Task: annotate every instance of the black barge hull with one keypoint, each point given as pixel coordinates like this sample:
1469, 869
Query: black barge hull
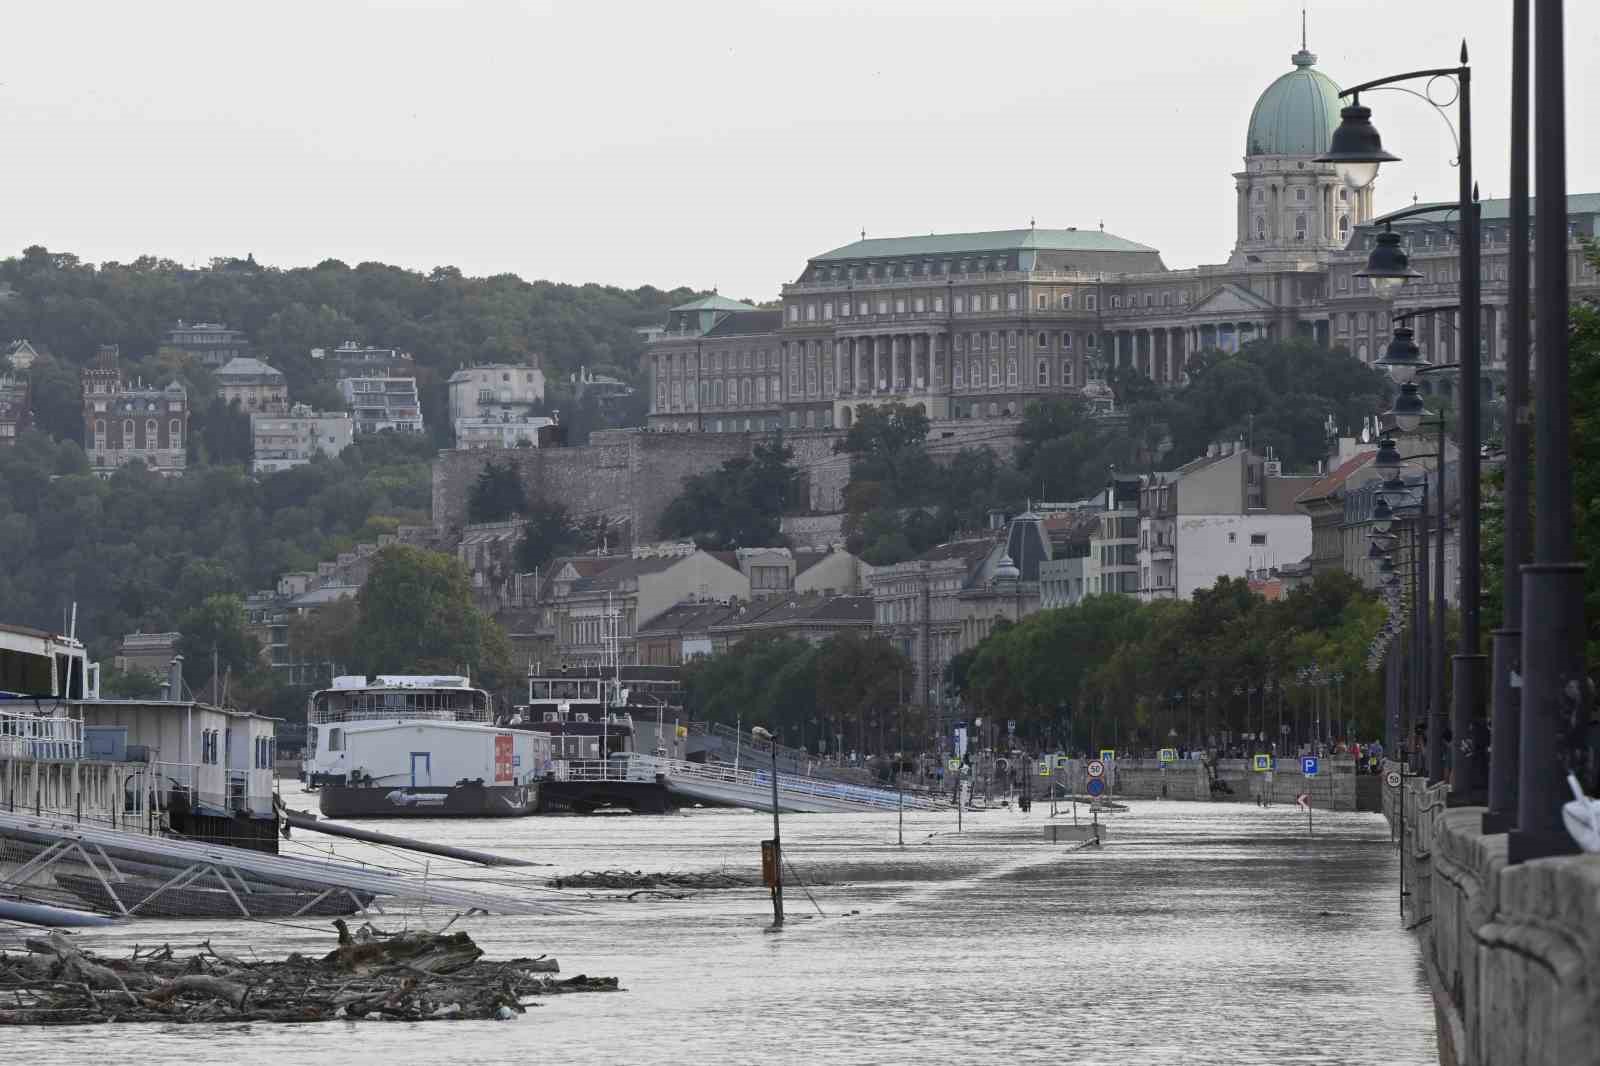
438, 801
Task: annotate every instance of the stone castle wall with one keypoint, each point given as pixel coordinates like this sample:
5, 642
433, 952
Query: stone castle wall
630, 476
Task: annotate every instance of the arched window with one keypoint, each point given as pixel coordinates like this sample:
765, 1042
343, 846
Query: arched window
127, 433
1261, 228
1011, 371
1344, 224
100, 427
150, 433
994, 372
1300, 227
1044, 372
1067, 376
1044, 340
1066, 342
976, 379
961, 375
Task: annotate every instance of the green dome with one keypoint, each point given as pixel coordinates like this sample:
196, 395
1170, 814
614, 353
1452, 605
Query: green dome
1297, 114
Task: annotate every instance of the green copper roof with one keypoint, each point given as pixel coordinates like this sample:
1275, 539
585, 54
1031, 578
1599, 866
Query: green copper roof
713, 303
1578, 203
1297, 114
1058, 240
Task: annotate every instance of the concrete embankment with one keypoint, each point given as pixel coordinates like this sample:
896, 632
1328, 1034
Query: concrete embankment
1512, 952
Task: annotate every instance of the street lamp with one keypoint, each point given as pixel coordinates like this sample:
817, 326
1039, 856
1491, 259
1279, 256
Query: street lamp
777, 849
1356, 145
1402, 358
1388, 266
1356, 149
1408, 408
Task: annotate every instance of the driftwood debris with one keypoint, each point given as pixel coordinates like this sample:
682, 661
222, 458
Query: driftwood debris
370, 976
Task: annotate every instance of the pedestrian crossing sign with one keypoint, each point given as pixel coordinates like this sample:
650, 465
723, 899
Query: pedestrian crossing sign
1263, 763
1044, 767
1108, 755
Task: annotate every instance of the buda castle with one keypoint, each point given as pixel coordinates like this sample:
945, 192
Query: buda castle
975, 325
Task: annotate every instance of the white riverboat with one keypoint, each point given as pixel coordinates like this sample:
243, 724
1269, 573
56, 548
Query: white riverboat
419, 746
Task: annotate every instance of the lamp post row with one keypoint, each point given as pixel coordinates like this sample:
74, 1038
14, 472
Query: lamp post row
1541, 633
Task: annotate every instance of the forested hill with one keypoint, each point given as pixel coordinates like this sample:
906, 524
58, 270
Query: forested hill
442, 317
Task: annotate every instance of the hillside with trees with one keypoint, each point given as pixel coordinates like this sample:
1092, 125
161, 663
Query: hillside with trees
68, 307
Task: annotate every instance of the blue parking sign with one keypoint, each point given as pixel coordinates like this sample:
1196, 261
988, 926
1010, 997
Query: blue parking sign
1308, 765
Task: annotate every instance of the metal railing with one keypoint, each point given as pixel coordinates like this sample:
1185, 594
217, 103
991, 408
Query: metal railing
788, 784
31, 736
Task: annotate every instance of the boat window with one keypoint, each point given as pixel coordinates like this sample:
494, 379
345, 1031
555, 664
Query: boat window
565, 690
335, 740
311, 735
539, 690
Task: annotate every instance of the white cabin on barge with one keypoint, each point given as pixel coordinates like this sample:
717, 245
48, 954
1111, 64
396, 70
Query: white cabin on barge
418, 746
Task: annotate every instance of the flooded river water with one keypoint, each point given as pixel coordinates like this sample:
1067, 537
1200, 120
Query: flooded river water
1199, 933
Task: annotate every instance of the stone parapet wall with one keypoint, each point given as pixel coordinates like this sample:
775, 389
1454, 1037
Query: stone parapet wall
1512, 953
631, 475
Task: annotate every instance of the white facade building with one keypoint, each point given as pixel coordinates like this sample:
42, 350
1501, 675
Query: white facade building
494, 390
383, 404
1229, 513
288, 440
500, 431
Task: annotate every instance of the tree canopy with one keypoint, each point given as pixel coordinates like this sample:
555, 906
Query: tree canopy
739, 505
1112, 672
415, 614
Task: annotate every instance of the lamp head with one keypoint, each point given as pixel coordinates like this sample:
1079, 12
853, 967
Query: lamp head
1382, 516
1388, 266
1408, 408
1402, 358
1356, 150
1388, 460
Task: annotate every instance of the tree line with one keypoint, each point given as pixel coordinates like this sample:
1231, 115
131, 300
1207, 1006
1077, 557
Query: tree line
1113, 672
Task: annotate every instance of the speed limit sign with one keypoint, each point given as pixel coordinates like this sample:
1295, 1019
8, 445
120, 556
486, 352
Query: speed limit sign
1392, 779
1097, 768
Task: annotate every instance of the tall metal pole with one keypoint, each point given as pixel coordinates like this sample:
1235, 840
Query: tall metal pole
777, 847
1468, 775
1426, 705
1436, 709
1554, 704
1506, 713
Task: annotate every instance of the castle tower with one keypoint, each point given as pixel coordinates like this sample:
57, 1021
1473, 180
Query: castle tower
1290, 207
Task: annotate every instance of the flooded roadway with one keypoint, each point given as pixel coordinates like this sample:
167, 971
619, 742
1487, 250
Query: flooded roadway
1199, 933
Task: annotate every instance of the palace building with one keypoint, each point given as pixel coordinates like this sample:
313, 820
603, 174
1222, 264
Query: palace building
975, 325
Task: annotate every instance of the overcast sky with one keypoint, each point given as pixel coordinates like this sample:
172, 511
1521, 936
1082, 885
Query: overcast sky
701, 144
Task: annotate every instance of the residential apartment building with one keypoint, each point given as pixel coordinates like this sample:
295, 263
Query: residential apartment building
147, 653
598, 614
212, 343
383, 404
254, 385
126, 422
16, 414
494, 391
352, 360
948, 599
975, 325
20, 354
778, 572
505, 431
1228, 513
289, 439
691, 630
